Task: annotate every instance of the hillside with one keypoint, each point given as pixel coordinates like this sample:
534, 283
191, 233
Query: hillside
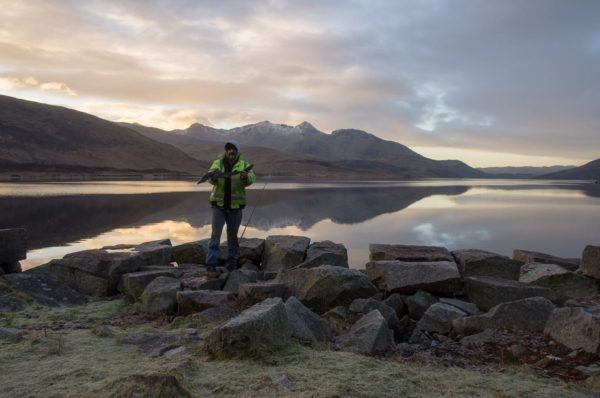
36, 137
522, 171
589, 171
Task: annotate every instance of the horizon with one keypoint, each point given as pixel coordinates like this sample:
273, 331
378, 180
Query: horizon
492, 84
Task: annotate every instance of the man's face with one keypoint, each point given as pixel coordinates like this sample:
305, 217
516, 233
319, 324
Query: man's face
231, 152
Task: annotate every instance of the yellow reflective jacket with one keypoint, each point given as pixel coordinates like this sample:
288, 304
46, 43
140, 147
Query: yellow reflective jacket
238, 191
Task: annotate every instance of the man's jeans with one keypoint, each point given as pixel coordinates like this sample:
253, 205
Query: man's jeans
233, 219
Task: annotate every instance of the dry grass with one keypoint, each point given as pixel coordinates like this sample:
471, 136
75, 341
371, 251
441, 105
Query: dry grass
56, 362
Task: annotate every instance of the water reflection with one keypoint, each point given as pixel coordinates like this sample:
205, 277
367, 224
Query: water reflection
557, 218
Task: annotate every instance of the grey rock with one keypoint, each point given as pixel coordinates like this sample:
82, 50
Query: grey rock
190, 253
11, 268
160, 295
191, 301
396, 301
408, 253
43, 289
251, 249
439, 277
591, 301
201, 283
103, 331
368, 336
337, 318
10, 303
418, 303
13, 245
479, 339
576, 328
564, 283
325, 253
468, 308
148, 341
438, 318
305, 324
364, 306
487, 292
283, 252
474, 262
526, 257
260, 329
528, 314
280, 380
134, 283
590, 261
217, 314
327, 286
9, 334
238, 277
252, 293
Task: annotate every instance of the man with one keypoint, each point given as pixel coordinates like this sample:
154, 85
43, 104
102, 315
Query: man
227, 199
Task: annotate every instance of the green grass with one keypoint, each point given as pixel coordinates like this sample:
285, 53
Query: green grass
77, 363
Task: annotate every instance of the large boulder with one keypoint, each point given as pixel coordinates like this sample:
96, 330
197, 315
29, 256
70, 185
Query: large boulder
396, 301
238, 277
192, 301
439, 277
409, 253
95, 272
368, 336
160, 295
564, 283
418, 303
488, 292
325, 253
590, 261
190, 253
283, 252
13, 245
10, 268
528, 314
38, 285
576, 327
474, 262
438, 318
251, 249
259, 330
465, 306
252, 293
527, 256
364, 306
305, 324
134, 283
158, 252
327, 286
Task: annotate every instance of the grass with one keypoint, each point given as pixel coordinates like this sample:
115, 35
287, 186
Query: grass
62, 362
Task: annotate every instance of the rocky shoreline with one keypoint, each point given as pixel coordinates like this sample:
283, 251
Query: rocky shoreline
467, 308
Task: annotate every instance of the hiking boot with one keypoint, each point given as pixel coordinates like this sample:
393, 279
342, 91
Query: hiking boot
212, 273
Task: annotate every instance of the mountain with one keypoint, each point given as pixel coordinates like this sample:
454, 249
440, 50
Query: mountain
304, 151
42, 138
523, 171
589, 171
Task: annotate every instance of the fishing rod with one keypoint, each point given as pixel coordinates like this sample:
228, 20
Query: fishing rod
252, 212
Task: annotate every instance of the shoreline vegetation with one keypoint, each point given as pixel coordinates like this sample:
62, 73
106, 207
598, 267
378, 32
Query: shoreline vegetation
294, 320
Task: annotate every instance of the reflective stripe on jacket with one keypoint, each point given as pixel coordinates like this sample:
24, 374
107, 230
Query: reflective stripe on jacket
238, 192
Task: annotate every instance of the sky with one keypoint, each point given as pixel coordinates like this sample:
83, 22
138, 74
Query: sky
492, 83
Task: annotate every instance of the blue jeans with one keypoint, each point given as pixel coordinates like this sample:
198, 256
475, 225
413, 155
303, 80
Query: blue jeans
233, 219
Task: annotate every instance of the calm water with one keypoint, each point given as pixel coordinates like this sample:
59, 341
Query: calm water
498, 215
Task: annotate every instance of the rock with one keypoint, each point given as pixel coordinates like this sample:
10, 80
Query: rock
283, 252
13, 245
280, 380
43, 289
9, 303
134, 283
327, 286
11, 268
468, 308
592, 301
252, 293
336, 317
201, 283
160, 295
564, 283
368, 336
439, 277
158, 385
103, 331
528, 314
148, 341
251, 249
396, 301
590, 261
260, 329
479, 339
95, 272
487, 292
305, 324
576, 328
156, 252
526, 257
483, 263
325, 253
12, 335
438, 318
364, 306
217, 314
408, 253
418, 303
191, 301
190, 253
238, 277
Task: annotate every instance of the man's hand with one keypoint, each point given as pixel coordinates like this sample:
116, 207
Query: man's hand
244, 175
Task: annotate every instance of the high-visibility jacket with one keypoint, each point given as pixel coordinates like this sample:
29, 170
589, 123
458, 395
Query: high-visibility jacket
238, 192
